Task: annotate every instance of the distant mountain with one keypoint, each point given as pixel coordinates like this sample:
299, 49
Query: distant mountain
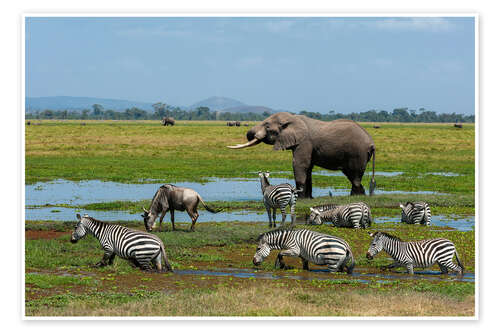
72, 103
249, 108
217, 103
79, 103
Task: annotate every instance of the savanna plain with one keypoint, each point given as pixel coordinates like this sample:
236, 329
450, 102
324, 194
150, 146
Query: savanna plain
213, 271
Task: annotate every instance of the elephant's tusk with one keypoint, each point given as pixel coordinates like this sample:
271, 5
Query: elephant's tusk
244, 145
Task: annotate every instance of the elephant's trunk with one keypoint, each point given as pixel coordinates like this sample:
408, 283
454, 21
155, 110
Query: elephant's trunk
254, 137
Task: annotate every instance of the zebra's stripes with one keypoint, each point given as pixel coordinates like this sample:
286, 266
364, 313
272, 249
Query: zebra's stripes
312, 246
416, 213
277, 196
140, 248
353, 215
423, 253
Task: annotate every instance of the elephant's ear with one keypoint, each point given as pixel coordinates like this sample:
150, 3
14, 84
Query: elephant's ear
293, 131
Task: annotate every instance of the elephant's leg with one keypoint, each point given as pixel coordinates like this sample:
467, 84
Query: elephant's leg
302, 169
309, 186
355, 179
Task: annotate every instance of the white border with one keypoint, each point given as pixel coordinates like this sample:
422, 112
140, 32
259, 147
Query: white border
255, 13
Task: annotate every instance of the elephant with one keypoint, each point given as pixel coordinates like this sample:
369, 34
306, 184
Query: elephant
335, 145
168, 121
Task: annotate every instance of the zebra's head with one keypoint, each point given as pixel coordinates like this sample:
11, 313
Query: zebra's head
262, 252
79, 231
149, 219
314, 217
375, 246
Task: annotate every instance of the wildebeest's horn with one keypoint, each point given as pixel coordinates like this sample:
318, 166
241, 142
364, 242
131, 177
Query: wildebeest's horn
244, 145
144, 209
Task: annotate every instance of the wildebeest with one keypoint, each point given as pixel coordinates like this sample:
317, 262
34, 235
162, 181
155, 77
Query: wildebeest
376, 126
233, 123
170, 198
458, 125
168, 121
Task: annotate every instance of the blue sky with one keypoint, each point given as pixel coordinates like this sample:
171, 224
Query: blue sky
315, 64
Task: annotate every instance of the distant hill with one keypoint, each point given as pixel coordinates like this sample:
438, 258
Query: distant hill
72, 103
217, 103
79, 103
249, 108
225, 104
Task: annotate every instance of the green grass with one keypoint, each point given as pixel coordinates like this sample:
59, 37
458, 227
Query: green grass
127, 151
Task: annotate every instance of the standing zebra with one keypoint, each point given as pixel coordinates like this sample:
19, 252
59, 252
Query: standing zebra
416, 212
353, 215
140, 248
308, 245
423, 253
277, 196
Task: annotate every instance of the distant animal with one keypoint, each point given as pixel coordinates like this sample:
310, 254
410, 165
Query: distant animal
458, 125
233, 123
418, 212
168, 121
138, 247
277, 196
376, 126
353, 215
334, 145
170, 198
28, 123
308, 245
83, 124
423, 253
245, 124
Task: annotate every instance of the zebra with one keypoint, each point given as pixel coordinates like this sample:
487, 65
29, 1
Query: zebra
353, 215
416, 212
423, 253
278, 196
308, 245
140, 248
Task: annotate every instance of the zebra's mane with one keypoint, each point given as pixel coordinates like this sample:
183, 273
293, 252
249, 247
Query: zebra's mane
389, 236
275, 231
94, 220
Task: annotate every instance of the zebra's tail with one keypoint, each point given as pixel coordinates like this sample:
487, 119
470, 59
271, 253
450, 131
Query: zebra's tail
459, 262
350, 268
211, 210
373, 183
164, 255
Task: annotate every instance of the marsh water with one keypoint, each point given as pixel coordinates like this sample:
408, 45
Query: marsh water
214, 189
95, 191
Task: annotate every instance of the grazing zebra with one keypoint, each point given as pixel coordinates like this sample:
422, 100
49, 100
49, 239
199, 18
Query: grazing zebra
416, 212
353, 215
308, 245
423, 253
277, 196
140, 248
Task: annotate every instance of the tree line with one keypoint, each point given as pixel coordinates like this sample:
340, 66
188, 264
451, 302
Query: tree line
204, 113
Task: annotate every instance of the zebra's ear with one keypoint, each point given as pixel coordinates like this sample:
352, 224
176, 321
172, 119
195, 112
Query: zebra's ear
371, 234
401, 205
78, 217
312, 209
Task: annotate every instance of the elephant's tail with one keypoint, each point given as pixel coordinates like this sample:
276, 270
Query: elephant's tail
373, 184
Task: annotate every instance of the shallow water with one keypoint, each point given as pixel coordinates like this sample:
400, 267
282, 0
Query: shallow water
312, 275
461, 223
96, 191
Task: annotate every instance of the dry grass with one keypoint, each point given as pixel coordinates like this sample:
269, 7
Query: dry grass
267, 300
